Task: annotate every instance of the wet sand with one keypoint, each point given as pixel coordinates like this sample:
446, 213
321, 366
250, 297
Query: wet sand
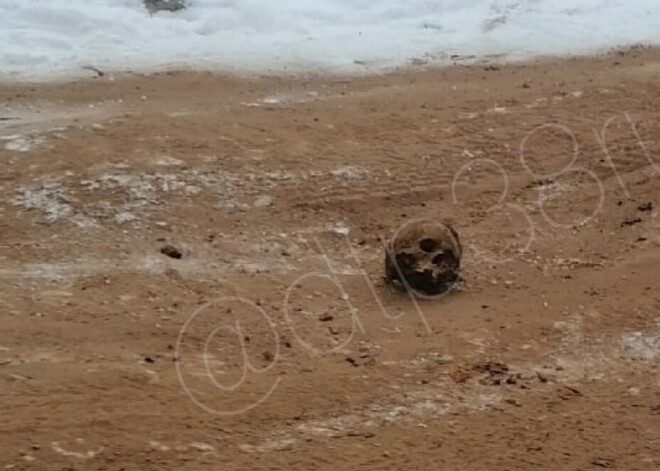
275, 194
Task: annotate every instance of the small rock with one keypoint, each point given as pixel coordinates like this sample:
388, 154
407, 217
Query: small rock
16, 377
631, 221
172, 252
327, 317
340, 228
245, 448
168, 161
203, 447
352, 361
263, 202
542, 378
601, 463
646, 207
568, 392
158, 446
164, 5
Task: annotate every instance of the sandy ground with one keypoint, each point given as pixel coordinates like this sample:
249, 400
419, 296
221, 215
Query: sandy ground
273, 342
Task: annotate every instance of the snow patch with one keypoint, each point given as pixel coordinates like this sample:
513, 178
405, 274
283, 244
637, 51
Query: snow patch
19, 143
48, 198
352, 172
54, 38
641, 346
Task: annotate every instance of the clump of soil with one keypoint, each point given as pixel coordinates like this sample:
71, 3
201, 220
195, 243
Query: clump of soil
171, 251
164, 5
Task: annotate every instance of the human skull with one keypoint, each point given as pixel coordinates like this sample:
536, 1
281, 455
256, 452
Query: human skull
425, 256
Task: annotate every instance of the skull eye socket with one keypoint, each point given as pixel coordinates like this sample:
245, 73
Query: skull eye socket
428, 245
405, 260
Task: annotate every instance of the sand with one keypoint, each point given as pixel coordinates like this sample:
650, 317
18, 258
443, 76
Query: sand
192, 270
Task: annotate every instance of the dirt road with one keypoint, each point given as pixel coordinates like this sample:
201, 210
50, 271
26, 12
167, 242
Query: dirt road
192, 270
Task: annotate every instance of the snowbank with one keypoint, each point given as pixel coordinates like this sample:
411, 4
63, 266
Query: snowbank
49, 38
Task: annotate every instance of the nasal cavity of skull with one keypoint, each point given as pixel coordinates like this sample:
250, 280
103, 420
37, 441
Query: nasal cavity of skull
438, 258
428, 245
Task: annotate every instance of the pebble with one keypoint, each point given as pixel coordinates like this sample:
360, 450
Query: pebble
263, 202
203, 447
172, 252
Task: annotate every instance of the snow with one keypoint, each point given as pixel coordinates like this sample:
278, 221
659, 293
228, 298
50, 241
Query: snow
51, 38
